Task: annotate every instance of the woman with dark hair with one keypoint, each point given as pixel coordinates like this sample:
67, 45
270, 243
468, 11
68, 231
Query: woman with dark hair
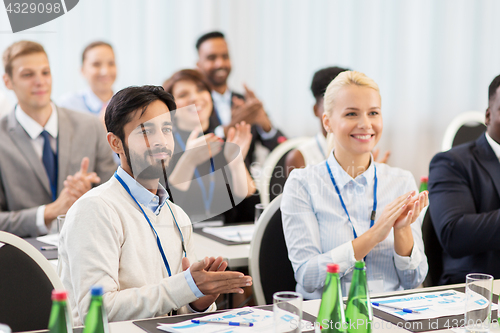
208, 176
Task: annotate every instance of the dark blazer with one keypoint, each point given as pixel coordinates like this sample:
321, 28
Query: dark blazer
464, 194
24, 184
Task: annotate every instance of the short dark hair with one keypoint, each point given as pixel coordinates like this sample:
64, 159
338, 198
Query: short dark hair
92, 45
207, 36
493, 88
126, 102
322, 79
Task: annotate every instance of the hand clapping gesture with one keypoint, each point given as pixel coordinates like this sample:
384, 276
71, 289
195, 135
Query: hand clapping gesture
241, 136
398, 215
249, 110
196, 154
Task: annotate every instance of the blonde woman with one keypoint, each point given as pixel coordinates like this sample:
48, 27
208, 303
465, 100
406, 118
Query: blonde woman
350, 208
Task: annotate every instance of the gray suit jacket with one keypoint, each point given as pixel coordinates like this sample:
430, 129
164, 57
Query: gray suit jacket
24, 184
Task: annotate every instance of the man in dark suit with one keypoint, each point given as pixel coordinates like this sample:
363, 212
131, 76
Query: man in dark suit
230, 107
50, 156
464, 194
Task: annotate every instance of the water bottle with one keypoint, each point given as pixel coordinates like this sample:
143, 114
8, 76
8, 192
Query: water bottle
331, 317
423, 183
359, 309
96, 320
59, 320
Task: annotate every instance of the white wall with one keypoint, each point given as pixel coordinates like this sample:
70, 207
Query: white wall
432, 59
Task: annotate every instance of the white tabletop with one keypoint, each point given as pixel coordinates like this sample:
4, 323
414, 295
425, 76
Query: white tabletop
235, 255
312, 307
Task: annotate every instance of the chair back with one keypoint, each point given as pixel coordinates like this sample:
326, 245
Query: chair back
26, 283
433, 251
273, 177
270, 268
466, 127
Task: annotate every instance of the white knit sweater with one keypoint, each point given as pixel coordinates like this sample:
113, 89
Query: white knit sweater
107, 241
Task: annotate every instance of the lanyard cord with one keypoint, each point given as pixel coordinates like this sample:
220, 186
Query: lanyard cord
372, 216
207, 196
88, 107
158, 242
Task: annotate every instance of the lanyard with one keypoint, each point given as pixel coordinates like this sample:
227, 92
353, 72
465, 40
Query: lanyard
207, 196
372, 217
158, 242
320, 148
88, 107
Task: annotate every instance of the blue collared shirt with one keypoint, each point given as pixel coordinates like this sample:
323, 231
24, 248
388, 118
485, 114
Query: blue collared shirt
82, 101
154, 203
318, 232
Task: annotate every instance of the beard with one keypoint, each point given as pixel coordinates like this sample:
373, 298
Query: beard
146, 167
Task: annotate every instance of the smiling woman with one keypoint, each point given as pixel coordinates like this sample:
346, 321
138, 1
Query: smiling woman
351, 208
200, 184
99, 70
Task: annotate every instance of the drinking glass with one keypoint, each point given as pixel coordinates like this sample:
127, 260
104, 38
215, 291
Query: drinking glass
60, 222
259, 208
287, 308
478, 294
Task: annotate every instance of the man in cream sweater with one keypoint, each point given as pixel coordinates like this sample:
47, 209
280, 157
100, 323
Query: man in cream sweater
127, 236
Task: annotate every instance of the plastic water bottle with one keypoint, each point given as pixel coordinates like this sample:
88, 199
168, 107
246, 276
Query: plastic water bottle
331, 317
359, 313
96, 320
59, 321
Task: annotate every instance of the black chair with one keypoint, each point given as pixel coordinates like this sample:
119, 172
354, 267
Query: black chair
26, 283
465, 127
433, 251
270, 268
273, 176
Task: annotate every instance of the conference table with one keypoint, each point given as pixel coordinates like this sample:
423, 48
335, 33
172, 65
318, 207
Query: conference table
235, 255
312, 308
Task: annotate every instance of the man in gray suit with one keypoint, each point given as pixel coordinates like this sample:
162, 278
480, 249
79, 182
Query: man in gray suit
49, 156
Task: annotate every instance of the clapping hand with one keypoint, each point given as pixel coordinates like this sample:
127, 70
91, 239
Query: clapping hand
383, 159
413, 209
240, 135
210, 277
198, 155
249, 110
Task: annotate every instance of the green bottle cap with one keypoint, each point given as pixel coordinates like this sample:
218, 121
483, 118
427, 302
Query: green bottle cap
359, 264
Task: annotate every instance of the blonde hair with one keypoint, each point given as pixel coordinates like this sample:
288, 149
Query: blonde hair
342, 80
18, 49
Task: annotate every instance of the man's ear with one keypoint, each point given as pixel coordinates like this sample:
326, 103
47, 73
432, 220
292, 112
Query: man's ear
7, 81
487, 117
115, 143
198, 63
